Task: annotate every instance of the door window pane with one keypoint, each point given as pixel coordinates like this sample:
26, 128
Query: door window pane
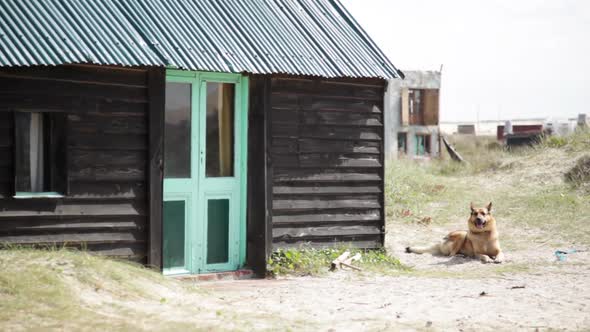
220, 129
177, 132
174, 215
217, 231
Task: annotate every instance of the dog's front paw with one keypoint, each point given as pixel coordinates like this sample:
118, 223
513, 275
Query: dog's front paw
499, 259
486, 259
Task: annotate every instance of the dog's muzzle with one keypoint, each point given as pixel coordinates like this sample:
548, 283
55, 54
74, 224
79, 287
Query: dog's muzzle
480, 223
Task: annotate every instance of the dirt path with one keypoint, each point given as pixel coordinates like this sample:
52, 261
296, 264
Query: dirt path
530, 291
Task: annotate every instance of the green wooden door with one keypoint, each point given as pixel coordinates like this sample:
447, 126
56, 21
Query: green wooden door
204, 172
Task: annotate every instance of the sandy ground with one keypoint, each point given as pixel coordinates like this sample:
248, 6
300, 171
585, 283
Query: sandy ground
531, 291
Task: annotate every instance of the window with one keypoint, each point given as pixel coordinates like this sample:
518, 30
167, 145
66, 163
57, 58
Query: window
419, 107
220, 129
402, 143
177, 130
39, 154
415, 107
422, 145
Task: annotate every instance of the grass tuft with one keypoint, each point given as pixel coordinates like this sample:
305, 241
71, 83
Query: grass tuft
579, 175
309, 261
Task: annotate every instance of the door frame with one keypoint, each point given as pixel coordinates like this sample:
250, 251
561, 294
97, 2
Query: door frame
192, 238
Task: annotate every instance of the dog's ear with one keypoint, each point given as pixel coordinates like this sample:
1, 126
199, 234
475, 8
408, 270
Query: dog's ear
471, 207
489, 207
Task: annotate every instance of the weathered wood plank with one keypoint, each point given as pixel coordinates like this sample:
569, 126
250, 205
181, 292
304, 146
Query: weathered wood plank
338, 146
364, 242
295, 102
284, 145
26, 86
315, 204
320, 160
157, 88
92, 190
79, 159
82, 74
56, 224
41, 207
258, 215
108, 173
107, 123
134, 251
341, 133
76, 238
324, 217
329, 89
333, 160
324, 175
75, 104
326, 190
342, 119
104, 142
296, 130
282, 115
281, 233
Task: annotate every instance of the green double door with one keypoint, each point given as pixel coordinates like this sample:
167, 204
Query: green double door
204, 221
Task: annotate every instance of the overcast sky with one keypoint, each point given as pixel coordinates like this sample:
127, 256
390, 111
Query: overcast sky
502, 58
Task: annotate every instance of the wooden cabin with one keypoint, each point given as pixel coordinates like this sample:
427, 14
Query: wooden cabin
193, 136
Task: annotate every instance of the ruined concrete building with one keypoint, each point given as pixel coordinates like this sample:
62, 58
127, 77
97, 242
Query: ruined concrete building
412, 115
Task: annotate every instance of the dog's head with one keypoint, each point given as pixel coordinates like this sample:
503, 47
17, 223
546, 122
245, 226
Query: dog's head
481, 219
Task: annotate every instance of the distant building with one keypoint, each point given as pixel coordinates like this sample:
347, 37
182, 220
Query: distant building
412, 115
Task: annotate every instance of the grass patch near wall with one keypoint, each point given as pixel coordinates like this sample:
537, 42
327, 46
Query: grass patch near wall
316, 262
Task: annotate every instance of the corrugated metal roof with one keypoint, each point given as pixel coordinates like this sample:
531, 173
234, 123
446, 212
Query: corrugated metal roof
300, 37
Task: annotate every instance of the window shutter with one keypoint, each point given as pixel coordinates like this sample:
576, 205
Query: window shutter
405, 114
430, 107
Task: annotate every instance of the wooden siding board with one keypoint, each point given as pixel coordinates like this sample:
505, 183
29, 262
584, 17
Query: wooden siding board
105, 207
27, 87
280, 233
83, 74
110, 142
325, 175
325, 190
157, 86
257, 220
75, 104
326, 158
108, 123
327, 216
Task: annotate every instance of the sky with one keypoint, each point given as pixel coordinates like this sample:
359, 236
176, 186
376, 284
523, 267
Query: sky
502, 59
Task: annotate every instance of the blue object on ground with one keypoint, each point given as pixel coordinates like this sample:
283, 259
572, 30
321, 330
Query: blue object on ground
562, 254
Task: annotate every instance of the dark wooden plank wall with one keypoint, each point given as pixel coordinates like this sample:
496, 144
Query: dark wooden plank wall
326, 162
258, 225
106, 207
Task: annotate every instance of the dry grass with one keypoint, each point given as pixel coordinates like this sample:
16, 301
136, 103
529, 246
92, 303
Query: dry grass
527, 186
76, 291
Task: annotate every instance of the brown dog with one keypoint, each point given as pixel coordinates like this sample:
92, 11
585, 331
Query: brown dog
480, 241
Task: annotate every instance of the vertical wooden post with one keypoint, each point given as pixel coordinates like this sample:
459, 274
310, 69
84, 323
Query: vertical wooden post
268, 167
156, 107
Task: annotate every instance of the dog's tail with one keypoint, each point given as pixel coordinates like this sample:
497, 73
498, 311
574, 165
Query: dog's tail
433, 249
